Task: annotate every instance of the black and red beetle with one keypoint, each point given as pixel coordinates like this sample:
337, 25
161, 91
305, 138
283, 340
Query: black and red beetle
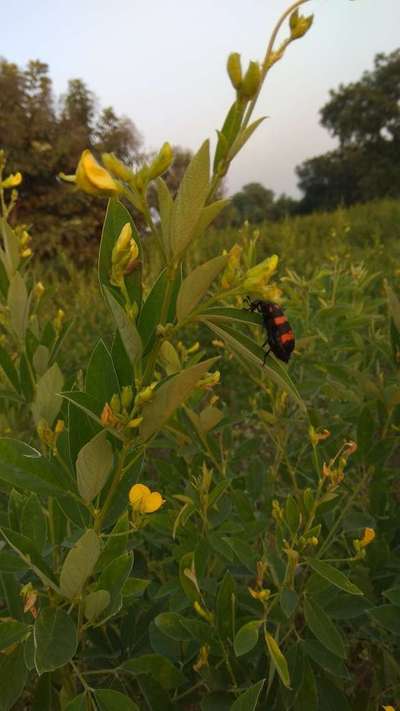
280, 336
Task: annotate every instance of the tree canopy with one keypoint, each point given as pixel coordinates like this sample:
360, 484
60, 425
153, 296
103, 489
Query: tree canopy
365, 118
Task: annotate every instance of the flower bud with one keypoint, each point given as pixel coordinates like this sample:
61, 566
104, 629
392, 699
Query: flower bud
122, 244
299, 24
251, 82
161, 162
126, 396
115, 166
38, 290
234, 68
91, 177
12, 181
115, 404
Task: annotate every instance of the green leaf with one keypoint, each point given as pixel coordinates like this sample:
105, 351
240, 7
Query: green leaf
325, 659
278, 660
323, 628
78, 703
208, 215
117, 543
190, 199
246, 638
169, 396
79, 564
95, 603
109, 700
134, 588
47, 401
334, 576
288, 602
8, 366
121, 495
151, 311
101, 378
158, 667
113, 578
11, 632
307, 697
165, 208
31, 557
86, 403
196, 285
10, 256
169, 623
225, 607
55, 638
249, 699
24, 467
11, 563
393, 595
244, 136
388, 616
93, 466
33, 522
18, 305
126, 327
116, 217
244, 347
13, 676
186, 565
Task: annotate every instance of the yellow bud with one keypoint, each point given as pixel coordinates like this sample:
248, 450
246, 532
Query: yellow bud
367, 538
126, 396
299, 24
136, 422
115, 403
317, 437
259, 594
12, 181
202, 612
59, 426
115, 166
251, 81
161, 162
26, 253
123, 242
313, 541
210, 380
38, 290
234, 69
257, 276
194, 348
388, 708
145, 395
217, 343
92, 178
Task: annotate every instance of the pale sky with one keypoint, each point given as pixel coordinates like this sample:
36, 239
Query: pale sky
162, 63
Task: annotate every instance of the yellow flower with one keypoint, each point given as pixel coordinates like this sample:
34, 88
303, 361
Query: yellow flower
91, 177
388, 708
38, 289
144, 500
12, 181
231, 272
257, 276
259, 594
368, 537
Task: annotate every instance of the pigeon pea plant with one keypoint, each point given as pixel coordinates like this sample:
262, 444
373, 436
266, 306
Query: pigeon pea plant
222, 609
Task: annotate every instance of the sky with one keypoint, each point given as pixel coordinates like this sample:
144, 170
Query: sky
162, 63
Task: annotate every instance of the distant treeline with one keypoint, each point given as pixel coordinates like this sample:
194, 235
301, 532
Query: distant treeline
44, 135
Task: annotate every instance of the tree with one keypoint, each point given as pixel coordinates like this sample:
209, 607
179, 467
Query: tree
41, 141
253, 203
365, 117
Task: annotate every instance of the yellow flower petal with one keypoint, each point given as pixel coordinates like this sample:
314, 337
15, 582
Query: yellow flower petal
151, 503
92, 177
136, 494
368, 537
12, 181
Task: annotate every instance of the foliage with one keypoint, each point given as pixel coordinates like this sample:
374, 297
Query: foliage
255, 204
365, 117
257, 565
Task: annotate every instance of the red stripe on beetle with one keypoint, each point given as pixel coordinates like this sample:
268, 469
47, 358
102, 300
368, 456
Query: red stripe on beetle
279, 320
286, 337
